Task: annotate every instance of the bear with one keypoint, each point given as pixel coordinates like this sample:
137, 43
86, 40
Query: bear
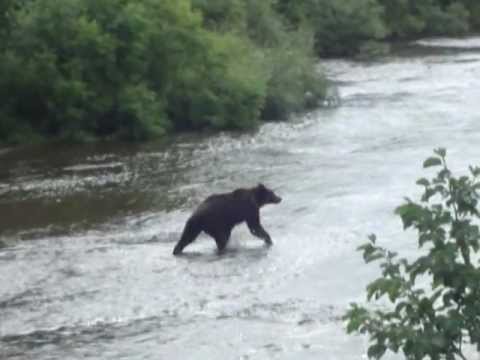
220, 213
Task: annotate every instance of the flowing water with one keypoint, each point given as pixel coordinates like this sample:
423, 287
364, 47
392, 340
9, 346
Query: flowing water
86, 232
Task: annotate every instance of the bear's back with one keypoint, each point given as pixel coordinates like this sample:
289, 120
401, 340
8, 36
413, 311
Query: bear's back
228, 208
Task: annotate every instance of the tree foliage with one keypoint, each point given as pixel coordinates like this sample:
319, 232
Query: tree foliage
286, 54
75, 68
137, 69
435, 298
343, 27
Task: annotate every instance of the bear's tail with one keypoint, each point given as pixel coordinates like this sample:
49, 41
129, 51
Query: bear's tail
190, 233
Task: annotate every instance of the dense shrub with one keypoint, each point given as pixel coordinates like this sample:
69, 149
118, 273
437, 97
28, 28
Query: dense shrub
344, 27
452, 20
294, 84
79, 69
286, 55
227, 91
138, 69
341, 27
93, 67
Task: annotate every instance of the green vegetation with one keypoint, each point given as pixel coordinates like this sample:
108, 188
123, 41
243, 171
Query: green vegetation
347, 27
340, 27
139, 69
435, 299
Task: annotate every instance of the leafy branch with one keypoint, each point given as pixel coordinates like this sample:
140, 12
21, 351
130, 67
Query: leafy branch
435, 298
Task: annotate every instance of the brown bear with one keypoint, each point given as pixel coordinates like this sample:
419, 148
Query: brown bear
218, 214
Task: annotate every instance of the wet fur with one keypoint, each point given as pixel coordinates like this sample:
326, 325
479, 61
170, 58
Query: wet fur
220, 213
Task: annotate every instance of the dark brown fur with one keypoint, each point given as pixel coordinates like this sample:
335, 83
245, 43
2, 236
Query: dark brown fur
220, 213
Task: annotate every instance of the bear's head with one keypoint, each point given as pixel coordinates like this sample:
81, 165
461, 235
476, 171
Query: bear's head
264, 195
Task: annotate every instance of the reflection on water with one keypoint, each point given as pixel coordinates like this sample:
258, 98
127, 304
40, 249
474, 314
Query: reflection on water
86, 232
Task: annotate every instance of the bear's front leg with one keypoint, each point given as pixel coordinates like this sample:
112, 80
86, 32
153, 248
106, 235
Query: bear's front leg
257, 230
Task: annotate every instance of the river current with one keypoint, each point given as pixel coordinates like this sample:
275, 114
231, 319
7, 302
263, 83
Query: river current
86, 232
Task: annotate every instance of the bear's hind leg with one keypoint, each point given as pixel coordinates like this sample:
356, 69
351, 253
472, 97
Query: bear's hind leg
190, 233
221, 238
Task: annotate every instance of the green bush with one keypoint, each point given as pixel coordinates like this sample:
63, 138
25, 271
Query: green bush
79, 69
435, 299
348, 27
404, 18
294, 84
453, 20
87, 66
340, 26
222, 15
410, 18
473, 7
139, 69
283, 59
226, 93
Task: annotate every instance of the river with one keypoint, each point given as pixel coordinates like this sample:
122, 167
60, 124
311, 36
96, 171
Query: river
86, 232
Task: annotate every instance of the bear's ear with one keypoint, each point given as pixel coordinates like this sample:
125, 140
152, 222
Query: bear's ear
260, 186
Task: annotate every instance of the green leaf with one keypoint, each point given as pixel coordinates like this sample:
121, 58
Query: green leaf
432, 161
428, 194
383, 286
423, 182
376, 351
356, 317
475, 171
442, 175
410, 213
373, 257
